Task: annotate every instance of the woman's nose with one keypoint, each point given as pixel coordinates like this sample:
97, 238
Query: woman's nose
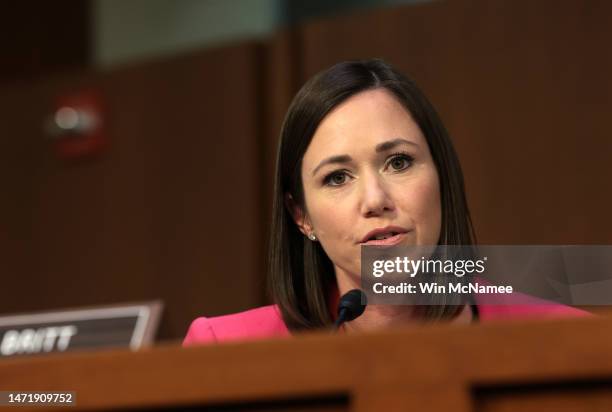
375, 199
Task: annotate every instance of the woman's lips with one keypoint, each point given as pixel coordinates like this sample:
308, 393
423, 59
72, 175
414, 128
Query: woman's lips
390, 241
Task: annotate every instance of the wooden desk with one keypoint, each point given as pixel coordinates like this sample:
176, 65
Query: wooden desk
561, 365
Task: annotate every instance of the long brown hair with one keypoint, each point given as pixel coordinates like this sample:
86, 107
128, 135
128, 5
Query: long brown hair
301, 276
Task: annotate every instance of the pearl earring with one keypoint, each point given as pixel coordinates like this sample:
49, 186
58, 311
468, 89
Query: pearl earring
312, 237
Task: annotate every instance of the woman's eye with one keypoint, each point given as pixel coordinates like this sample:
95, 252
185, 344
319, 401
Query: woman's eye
397, 162
400, 162
335, 179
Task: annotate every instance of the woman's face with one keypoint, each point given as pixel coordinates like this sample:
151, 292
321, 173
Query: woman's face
368, 167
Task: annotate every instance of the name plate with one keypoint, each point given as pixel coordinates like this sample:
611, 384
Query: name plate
130, 325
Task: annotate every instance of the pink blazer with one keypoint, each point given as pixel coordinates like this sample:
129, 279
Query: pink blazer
266, 321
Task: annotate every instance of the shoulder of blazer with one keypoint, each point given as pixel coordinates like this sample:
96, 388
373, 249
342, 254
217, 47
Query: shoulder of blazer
258, 323
521, 306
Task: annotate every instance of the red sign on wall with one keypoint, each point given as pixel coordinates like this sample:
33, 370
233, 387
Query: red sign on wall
78, 124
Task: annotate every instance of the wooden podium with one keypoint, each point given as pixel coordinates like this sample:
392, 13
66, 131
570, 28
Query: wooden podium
560, 365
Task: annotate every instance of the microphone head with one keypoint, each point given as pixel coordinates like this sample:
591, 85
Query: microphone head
351, 304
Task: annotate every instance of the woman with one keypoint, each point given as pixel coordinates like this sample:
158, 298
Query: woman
362, 156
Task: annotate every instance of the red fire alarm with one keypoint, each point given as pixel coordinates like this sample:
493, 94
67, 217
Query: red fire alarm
77, 125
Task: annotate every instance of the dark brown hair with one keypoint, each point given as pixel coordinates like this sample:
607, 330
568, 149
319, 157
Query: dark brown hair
301, 276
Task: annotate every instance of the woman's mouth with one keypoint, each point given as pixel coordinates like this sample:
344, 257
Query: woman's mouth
386, 240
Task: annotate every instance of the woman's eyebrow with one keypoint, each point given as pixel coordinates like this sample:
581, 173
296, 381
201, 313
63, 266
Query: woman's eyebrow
390, 144
381, 147
333, 159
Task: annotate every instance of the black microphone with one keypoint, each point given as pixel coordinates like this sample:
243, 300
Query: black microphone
350, 306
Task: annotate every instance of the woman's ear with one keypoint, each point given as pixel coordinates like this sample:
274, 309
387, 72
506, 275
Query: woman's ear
299, 217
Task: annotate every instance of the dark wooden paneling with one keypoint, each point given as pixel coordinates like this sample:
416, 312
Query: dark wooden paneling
38, 37
171, 211
523, 88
